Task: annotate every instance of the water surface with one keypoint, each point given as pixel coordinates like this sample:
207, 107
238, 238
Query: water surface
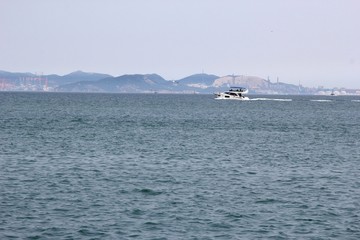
153, 166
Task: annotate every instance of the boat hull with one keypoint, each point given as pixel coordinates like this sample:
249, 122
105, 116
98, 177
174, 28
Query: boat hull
229, 97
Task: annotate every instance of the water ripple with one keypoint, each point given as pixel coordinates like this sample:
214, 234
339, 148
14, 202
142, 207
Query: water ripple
104, 166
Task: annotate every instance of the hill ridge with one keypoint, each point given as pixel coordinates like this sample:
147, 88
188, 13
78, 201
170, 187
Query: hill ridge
79, 81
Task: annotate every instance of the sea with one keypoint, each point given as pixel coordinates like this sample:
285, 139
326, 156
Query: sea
176, 166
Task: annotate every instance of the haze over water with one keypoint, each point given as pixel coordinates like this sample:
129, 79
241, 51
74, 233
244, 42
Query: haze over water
137, 166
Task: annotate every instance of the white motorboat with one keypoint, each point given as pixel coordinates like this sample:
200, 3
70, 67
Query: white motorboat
235, 93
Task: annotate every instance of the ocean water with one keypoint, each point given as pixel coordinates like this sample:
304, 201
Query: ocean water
153, 166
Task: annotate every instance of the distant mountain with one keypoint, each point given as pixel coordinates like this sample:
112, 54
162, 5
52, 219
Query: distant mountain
86, 75
17, 81
197, 83
136, 83
201, 80
204, 83
257, 85
149, 83
74, 77
11, 75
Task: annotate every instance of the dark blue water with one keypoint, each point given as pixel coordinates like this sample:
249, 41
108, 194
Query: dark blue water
123, 166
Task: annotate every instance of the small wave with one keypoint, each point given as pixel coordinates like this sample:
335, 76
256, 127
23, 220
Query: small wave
78, 120
221, 225
148, 192
266, 201
137, 212
151, 223
320, 100
236, 216
269, 201
355, 100
272, 99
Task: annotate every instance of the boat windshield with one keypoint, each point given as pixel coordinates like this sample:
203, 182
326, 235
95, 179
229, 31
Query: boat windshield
238, 89
232, 94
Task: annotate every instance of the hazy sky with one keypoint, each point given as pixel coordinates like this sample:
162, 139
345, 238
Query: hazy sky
314, 42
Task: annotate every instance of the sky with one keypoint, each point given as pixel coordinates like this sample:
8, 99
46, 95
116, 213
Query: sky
308, 42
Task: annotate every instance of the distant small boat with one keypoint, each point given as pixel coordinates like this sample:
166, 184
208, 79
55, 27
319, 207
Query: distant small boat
332, 93
235, 93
